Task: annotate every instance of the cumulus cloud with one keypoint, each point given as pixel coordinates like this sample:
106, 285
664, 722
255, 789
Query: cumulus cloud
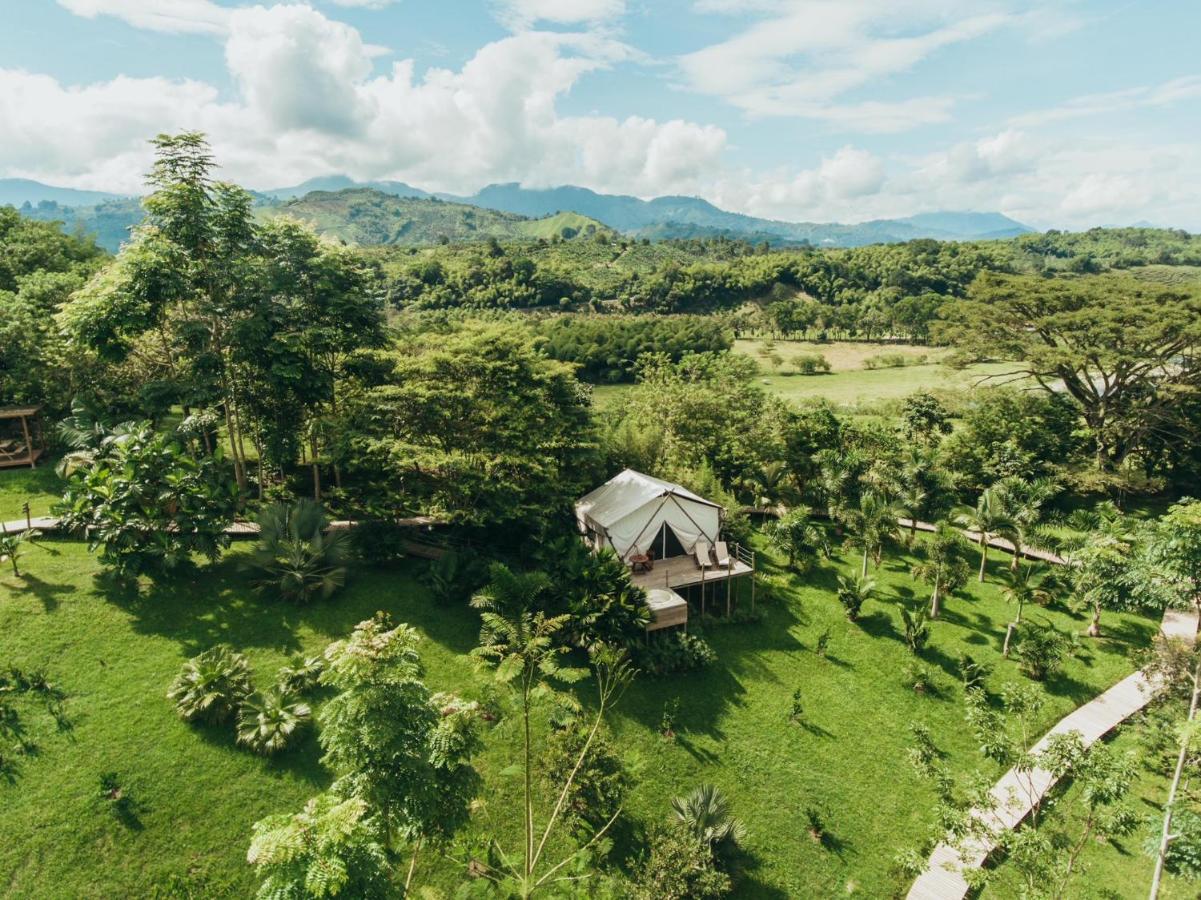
310, 100
841, 182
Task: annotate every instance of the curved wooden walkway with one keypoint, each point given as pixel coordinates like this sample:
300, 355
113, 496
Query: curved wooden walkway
1016, 793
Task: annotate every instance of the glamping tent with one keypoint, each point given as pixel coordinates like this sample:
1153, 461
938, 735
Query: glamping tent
637, 514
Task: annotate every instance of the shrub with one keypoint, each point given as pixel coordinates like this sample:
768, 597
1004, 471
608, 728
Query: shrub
811, 364
918, 676
1042, 650
972, 673
301, 673
679, 867
148, 504
600, 784
211, 686
667, 722
267, 722
454, 577
706, 815
797, 710
679, 652
117, 799
853, 592
823, 643
296, 558
917, 629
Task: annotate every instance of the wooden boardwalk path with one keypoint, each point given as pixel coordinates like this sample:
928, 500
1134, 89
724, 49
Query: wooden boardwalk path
1016, 793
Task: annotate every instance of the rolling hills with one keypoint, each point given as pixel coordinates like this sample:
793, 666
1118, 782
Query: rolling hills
496, 210
368, 216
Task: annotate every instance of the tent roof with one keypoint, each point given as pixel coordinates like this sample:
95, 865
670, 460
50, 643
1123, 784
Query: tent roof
627, 491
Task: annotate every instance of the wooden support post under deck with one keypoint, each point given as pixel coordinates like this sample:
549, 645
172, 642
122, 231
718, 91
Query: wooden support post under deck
33, 463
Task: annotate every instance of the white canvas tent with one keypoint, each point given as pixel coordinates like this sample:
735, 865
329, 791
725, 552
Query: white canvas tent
635, 513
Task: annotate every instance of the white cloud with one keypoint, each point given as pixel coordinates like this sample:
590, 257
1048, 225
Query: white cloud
302, 70
173, 16
365, 4
1165, 94
524, 13
803, 56
309, 101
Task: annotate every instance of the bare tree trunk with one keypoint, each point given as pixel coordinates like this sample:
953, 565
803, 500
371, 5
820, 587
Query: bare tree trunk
1165, 836
934, 602
983, 554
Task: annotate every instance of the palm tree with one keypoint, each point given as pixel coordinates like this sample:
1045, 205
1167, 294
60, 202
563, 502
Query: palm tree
942, 567
705, 813
212, 685
769, 484
297, 558
794, 534
268, 721
990, 519
527, 648
1024, 502
910, 501
871, 524
1028, 584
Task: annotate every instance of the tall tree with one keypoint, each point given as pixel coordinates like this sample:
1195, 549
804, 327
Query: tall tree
942, 566
528, 654
1124, 350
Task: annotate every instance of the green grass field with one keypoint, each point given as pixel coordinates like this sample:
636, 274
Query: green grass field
197, 794
39, 487
854, 387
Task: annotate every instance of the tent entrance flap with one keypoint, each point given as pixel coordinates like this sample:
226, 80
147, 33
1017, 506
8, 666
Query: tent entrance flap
667, 543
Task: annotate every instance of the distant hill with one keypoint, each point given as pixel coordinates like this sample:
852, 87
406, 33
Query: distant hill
109, 216
682, 217
974, 225
368, 216
333, 183
19, 191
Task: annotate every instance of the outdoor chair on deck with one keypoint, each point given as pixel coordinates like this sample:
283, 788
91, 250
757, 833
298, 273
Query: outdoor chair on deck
722, 553
701, 551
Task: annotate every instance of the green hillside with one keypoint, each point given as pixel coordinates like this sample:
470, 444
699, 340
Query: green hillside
369, 217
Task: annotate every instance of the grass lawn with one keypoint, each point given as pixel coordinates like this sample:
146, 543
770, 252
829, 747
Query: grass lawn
852, 387
843, 356
197, 794
39, 487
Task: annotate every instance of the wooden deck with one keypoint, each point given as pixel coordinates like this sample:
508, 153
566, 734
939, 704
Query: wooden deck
1015, 794
682, 571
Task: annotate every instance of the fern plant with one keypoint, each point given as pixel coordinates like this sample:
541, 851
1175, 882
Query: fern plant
211, 686
267, 722
296, 558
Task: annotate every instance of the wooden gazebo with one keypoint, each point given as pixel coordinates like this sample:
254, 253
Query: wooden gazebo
21, 438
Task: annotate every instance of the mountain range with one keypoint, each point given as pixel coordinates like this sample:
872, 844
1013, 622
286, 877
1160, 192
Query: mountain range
110, 215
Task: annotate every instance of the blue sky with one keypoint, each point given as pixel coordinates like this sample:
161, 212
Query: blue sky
1062, 114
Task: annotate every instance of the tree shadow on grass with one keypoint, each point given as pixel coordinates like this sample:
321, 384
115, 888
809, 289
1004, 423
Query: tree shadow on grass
45, 592
218, 604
